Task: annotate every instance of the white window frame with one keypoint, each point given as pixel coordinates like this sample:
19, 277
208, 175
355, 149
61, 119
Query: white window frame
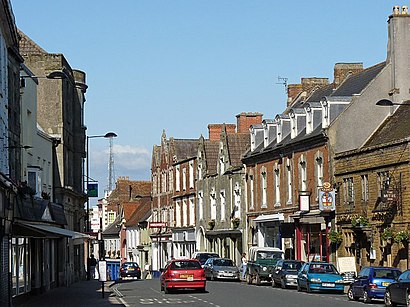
178, 213
212, 198
201, 204
365, 187
264, 188
191, 211
191, 174
222, 197
289, 179
237, 200
277, 185
184, 178
184, 213
252, 192
177, 178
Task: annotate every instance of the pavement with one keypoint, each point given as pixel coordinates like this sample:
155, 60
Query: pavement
83, 293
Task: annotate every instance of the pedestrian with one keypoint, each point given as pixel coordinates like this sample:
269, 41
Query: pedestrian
147, 270
244, 265
93, 263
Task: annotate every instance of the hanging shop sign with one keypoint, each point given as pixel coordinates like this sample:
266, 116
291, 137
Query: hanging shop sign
327, 198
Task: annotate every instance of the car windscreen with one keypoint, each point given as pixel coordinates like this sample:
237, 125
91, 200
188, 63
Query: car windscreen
223, 262
185, 265
205, 257
386, 273
292, 266
269, 255
130, 265
322, 268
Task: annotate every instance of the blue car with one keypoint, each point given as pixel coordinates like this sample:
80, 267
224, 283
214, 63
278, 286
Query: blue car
321, 276
371, 283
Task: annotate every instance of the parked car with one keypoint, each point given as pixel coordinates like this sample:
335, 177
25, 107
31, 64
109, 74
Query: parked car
398, 291
285, 273
319, 276
202, 257
261, 262
371, 282
183, 274
130, 270
221, 268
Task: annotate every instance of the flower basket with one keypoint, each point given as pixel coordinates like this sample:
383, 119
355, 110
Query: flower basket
235, 222
387, 235
211, 224
360, 221
401, 237
335, 237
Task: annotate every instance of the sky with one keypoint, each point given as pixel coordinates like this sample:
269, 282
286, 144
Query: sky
179, 65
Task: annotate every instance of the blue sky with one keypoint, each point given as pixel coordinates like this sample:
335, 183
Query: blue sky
180, 65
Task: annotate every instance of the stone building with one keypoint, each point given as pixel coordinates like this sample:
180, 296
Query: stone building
220, 192
370, 163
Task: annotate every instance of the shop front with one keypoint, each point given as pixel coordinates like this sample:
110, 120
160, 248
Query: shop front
268, 231
184, 243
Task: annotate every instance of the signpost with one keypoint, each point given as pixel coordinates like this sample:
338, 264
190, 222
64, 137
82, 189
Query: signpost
102, 272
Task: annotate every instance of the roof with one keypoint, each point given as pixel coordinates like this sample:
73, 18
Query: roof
394, 128
355, 83
112, 229
28, 46
321, 92
211, 154
126, 190
140, 213
185, 148
238, 144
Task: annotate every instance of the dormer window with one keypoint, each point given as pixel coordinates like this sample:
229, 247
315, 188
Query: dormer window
279, 132
325, 114
266, 136
309, 120
293, 125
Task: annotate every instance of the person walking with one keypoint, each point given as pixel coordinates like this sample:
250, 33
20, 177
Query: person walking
93, 264
147, 270
244, 265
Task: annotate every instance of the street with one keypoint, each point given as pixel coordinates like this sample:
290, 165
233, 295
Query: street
227, 294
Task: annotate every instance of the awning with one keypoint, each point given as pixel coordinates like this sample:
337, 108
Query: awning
224, 232
269, 218
42, 230
311, 217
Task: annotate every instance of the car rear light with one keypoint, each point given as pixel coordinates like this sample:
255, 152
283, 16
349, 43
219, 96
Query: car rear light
138, 269
372, 286
121, 270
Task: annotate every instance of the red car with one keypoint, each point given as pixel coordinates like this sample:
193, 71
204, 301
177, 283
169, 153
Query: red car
183, 274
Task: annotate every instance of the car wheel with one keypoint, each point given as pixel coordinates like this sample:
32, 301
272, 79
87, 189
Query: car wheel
167, 290
273, 283
282, 284
366, 297
249, 279
162, 287
408, 299
258, 280
308, 290
350, 295
388, 300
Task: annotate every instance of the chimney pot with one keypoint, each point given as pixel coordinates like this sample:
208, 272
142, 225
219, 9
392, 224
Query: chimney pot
396, 10
405, 10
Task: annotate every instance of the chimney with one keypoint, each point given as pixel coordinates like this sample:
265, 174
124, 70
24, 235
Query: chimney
214, 130
308, 84
398, 52
293, 91
245, 120
343, 70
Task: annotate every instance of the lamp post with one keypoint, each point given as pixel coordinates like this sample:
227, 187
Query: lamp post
108, 135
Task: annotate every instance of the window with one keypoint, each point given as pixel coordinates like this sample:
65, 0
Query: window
154, 184
177, 178
289, 177
309, 120
191, 212
319, 171
348, 190
365, 188
303, 174
213, 204
251, 188
171, 217
200, 171
383, 182
178, 214
191, 174
201, 204
237, 200
184, 178
264, 188
221, 165
170, 180
223, 204
111, 217
184, 213
34, 180
277, 186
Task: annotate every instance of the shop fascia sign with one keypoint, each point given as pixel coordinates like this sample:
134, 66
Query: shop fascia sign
157, 224
327, 198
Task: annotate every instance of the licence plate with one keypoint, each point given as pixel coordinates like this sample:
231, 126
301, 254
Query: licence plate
131, 269
187, 277
385, 284
326, 284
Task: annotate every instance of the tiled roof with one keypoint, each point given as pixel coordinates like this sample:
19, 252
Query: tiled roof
28, 46
185, 148
126, 190
396, 127
211, 154
321, 92
357, 82
144, 207
112, 229
238, 144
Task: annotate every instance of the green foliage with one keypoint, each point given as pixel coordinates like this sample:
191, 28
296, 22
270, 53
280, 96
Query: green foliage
211, 223
235, 222
360, 221
335, 237
401, 237
387, 234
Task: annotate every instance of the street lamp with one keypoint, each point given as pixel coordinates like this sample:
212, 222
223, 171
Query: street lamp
389, 103
108, 135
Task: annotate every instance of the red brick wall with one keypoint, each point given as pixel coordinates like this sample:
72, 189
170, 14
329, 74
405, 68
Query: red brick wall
245, 120
214, 130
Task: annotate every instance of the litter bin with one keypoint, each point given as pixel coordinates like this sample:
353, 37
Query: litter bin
156, 274
113, 269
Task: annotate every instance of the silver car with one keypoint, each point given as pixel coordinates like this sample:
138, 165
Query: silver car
221, 268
